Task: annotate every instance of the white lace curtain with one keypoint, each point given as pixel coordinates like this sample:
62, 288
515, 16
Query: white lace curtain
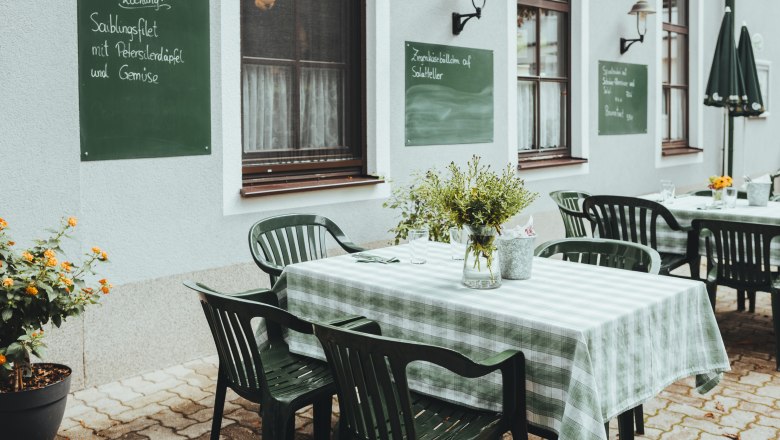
267, 105
550, 115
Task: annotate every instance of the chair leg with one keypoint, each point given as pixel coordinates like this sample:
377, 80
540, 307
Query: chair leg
776, 322
694, 264
740, 300
322, 415
219, 405
278, 422
626, 426
606, 428
639, 419
751, 296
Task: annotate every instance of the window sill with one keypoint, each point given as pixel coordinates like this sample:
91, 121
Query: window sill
548, 163
679, 151
310, 185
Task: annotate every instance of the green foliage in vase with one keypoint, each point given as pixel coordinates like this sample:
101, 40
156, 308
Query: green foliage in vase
419, 210
478, 196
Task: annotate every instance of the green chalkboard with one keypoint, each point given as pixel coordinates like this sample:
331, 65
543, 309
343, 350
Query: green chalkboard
622, 98
144, 88
449, 95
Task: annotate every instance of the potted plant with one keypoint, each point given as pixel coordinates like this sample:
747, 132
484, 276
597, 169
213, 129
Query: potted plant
480, 200
38, 286
717, 185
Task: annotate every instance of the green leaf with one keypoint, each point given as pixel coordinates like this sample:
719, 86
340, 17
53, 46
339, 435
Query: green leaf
57, 320
7, 314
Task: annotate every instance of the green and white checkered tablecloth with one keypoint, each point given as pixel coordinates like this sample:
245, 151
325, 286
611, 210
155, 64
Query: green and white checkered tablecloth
598, 341
687, 208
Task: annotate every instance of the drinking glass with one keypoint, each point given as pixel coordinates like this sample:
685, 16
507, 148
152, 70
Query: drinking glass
458, 240
418, 245
730, 197
667, 191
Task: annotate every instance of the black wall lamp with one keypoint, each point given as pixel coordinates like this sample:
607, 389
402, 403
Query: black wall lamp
459, 20
641, 9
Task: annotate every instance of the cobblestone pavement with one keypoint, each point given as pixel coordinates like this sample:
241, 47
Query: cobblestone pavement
176, 403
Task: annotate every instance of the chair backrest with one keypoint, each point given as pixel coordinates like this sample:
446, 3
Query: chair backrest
569, 203
628, 218
602, 252
278, 241
371, 381
740, 250
230, 322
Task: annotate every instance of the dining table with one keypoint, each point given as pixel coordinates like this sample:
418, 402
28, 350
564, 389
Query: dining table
598, 341
685, 208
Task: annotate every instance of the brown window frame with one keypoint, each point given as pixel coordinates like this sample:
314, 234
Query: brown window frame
557, 153
257, 172
667, 144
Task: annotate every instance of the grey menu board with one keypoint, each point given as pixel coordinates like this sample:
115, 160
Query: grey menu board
622, 98
449, 95
144, 87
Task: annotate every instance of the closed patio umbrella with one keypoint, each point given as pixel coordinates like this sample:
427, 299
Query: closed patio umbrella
754, 105
726, 86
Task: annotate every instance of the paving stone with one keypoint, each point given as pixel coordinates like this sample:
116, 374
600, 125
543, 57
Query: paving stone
208, 402
157, 376
109, 407
664, 420
89, 395
157, 397
130, 415
759, 433
157, 432
245, 418
127, 427
117, 391
681, 433
171, 419
738, 418
199, 429
183, 406
190, 392
238, 432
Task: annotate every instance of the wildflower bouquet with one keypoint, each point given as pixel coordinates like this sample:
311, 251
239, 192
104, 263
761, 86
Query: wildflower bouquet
720, 182
38, 286
480, 199
418, 210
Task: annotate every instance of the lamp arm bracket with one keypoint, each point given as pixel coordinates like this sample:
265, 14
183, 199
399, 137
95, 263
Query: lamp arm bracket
459, 20
626, 43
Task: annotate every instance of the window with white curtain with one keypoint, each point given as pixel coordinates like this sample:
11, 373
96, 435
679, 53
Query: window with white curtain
543, 79
302, 113
675, 74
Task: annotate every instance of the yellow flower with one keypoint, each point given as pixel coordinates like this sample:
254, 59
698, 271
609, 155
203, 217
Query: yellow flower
103, 256
3, 223
2, 359
8, 282
31, 290
72, 222
51, 262
66, 281
105, 289
103, 281
48, 253
66, 266
27, 256
96, 250
11, 243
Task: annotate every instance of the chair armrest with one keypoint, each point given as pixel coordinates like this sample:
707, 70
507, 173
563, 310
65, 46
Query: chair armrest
350, 247
357, 323
265, 296
495, 361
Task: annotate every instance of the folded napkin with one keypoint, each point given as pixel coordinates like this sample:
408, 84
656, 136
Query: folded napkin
364, 257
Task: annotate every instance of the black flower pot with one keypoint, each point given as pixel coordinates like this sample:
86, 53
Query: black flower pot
34, 414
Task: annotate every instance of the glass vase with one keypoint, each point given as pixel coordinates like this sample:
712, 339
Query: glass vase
717, 197
481, 268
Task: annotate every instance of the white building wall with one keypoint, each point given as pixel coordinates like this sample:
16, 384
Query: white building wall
165, 220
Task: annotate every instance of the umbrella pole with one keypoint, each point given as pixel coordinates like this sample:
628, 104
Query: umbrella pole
731, 146
723, 155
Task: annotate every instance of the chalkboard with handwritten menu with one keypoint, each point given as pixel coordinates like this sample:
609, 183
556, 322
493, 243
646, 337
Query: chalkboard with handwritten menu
622, 98
144, 88
449, 95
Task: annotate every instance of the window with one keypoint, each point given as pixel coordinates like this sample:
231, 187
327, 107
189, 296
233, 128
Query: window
543, 79
302, 91
675, 75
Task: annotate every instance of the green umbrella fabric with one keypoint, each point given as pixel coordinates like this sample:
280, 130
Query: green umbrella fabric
726, 86
754, 105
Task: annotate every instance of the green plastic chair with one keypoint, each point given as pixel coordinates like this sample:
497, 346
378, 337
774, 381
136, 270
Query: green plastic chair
608, 253
603, 252
738, 256
573, 217
636, 220
278, 241
375, 401
266, 372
